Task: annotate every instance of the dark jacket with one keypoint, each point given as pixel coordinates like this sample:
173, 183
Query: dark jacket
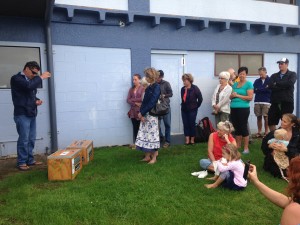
261, 90
166, 90
193, 98
282, 89
23, 94
293, 150
151, 96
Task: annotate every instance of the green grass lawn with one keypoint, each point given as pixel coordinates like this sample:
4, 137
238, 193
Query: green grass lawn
116, 188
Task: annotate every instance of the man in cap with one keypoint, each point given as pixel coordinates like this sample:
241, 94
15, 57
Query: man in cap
282, 97
23, 90
167, 93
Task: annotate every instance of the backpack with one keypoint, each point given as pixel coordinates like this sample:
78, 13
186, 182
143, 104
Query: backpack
203, 129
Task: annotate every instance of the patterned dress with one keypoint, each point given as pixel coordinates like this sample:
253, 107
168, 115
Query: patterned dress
148, 136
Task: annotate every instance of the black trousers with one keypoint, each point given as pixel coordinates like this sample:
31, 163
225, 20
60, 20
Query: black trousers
136, 126
277, 110
239, 118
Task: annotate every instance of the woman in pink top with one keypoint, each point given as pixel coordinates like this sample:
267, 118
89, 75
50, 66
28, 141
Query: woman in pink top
231, 175
215, 143
134, 99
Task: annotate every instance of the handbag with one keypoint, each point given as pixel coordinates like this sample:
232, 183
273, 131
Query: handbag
161, 108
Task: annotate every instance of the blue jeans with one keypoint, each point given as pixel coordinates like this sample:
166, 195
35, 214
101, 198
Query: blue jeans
204, 163
26, 128
167, 123
189, 122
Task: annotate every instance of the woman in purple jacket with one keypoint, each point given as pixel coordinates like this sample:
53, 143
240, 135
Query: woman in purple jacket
191, 98
134, 99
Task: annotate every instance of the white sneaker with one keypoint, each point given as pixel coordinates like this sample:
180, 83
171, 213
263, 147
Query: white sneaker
196, 174
203, 174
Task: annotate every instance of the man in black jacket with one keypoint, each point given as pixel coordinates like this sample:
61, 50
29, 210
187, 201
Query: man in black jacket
166, 93
282, 97
23, 90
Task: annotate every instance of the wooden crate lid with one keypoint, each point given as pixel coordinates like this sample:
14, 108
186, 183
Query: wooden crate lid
80, 144
64, 153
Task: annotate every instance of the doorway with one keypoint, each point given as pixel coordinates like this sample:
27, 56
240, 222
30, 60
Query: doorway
173, 67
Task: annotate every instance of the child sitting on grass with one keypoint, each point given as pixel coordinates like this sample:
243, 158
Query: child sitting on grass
231, 173
280, 157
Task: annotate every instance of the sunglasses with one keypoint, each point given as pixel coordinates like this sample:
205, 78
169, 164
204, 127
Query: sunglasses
33, 72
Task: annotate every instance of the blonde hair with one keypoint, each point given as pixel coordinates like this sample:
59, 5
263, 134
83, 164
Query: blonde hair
225, 126
232, 151
188, 76
280, 134
144, 82
151, 74
225, 75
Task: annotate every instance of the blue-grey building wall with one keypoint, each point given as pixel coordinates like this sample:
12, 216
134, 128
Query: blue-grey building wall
141, 36
142, 33
22, 29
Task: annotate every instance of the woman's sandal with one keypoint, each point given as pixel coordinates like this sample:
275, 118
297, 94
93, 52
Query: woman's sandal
35, 163
258, 135
23, 167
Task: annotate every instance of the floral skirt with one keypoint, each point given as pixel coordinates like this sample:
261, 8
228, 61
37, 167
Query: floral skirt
147, 139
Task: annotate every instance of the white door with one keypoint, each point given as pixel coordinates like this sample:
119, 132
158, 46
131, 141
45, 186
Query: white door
172, 65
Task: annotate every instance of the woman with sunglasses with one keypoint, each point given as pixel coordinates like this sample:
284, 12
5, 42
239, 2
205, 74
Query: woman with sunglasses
221, 98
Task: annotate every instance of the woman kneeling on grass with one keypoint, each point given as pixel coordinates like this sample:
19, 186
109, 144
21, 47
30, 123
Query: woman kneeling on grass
290, 203
231, 173
215, 143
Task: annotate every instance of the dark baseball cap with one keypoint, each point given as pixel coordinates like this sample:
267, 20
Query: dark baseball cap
283, 60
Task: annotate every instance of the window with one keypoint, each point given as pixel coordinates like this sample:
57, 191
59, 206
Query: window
12, 61
223, 61
290, 2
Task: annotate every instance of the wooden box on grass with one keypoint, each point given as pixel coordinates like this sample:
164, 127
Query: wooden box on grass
64, 164
87, 149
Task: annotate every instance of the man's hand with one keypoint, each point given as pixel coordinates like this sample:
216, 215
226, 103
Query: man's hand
38, 102
45, 75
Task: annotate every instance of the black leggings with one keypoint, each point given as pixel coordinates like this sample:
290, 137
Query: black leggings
239, 118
